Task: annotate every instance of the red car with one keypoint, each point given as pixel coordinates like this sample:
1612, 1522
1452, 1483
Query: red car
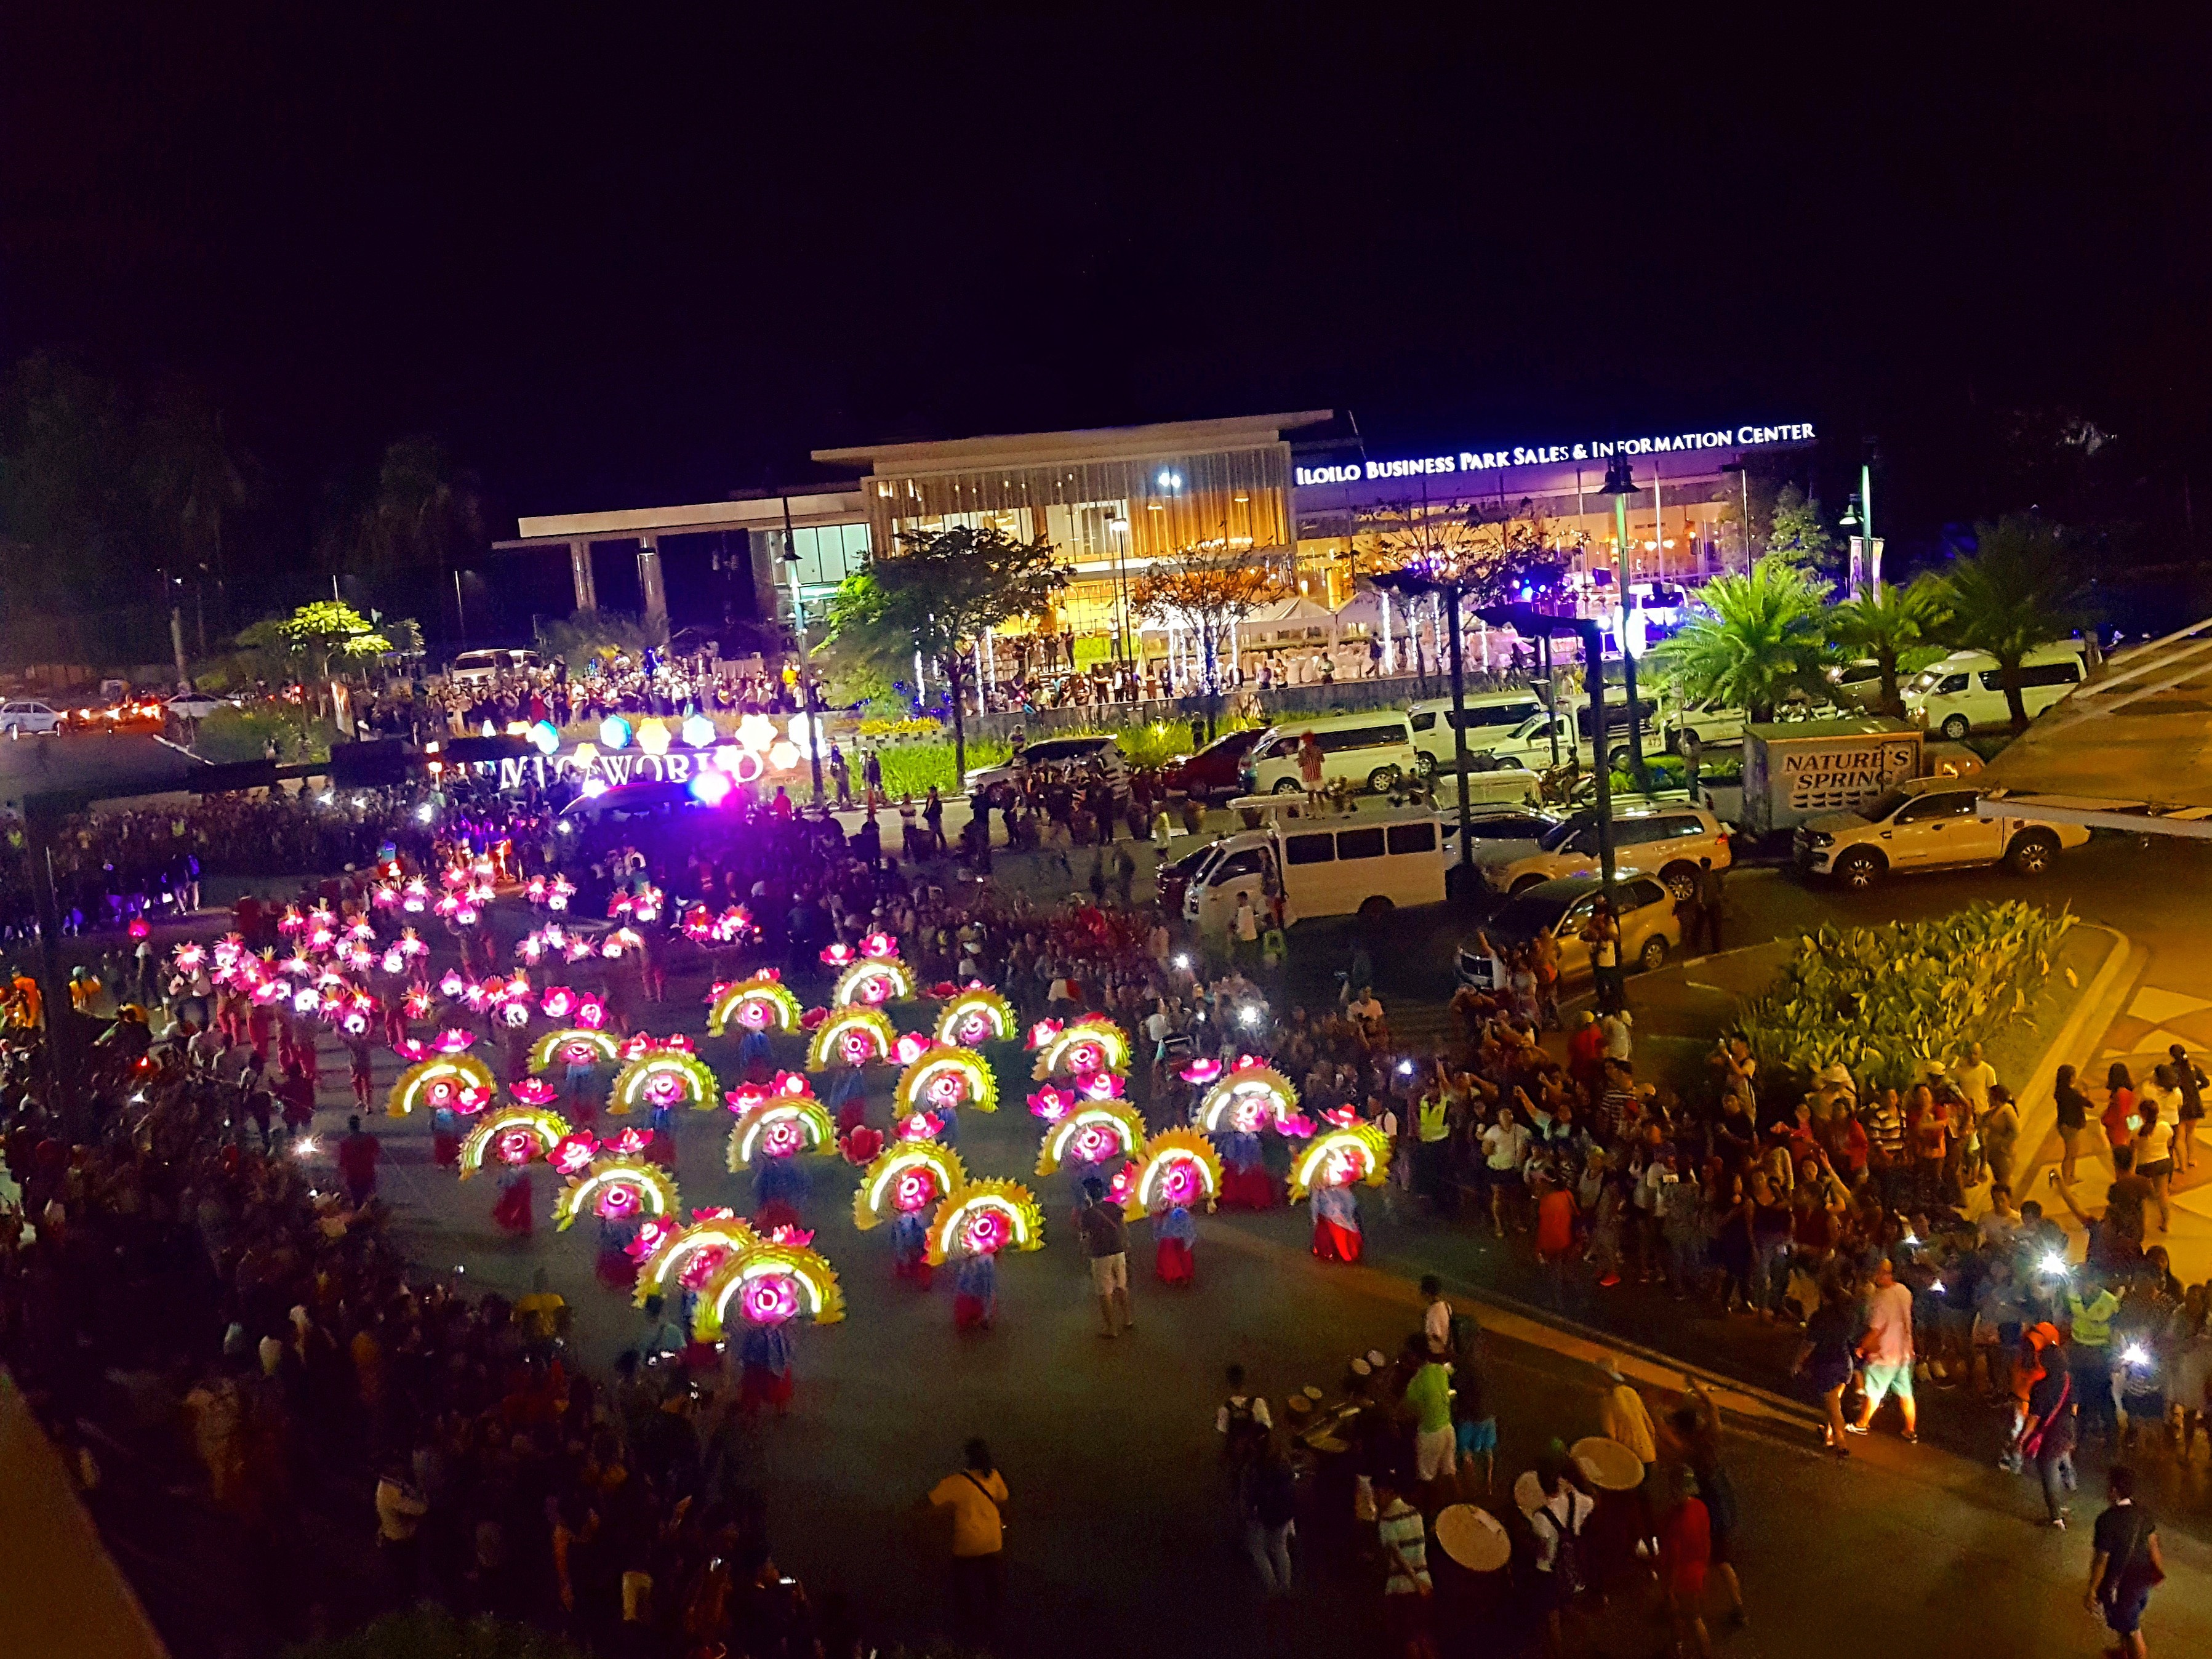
1215, 769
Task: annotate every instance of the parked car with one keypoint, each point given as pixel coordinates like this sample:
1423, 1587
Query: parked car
1669, 840
1529, 744
1216, 769
29, 715
1964, 692
1074, 756
1649, 930
1928, 823
1374, 749
196, 705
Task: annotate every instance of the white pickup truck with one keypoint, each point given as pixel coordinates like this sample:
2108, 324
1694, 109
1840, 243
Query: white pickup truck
1927, 823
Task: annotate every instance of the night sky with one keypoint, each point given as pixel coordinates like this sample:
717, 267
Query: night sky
617, 265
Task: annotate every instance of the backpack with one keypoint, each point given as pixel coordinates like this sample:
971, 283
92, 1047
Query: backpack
1245, 1434
1567, 1560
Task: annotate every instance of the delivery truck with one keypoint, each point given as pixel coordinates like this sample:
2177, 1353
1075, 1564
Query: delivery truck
1803, 768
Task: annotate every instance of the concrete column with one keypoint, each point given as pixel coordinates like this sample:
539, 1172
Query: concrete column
580, 571
648, 579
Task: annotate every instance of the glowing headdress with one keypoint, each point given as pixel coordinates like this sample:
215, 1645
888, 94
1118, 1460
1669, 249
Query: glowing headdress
617, 1190
982, 1218
664, 1078
942, 1078
976, 1016
781, 1126
513, 1134
1093, 1043
573, 1045
1091, 1133
454, 1083
685, 1255
850, 1036
1247, 1100
909, 1175
762, 1003
768, 1284
1179, 1169
1337, 1158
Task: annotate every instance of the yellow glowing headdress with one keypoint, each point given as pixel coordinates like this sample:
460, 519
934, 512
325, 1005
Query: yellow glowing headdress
943, 1068
975, 1015
438, 1081
759, 1004
1093, 1043
798, 1120
642, 1190
554, 1046
872, 1200
663, 1076
665, 1266
1179, 1167
1110, 1128
870, 1033
985, 1217
792, 1281
1337, 1158
548, 1128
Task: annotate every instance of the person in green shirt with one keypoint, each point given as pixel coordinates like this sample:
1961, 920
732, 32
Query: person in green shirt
1429, 1397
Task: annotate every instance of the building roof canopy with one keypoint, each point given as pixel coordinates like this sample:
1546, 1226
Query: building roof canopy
1097, 443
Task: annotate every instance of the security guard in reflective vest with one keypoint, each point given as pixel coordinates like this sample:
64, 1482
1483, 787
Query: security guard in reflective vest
1429, 1157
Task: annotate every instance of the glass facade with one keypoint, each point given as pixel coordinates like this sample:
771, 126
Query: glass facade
1106, 519
827, 555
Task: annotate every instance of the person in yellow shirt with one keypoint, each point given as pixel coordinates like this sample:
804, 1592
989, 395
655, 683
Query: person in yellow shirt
977, 1497
1623, 1416
540, 1312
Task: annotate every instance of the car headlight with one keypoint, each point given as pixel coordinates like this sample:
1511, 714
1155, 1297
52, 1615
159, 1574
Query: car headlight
1818, 838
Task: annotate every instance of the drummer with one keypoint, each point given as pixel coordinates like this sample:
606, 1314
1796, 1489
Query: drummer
1623, 1416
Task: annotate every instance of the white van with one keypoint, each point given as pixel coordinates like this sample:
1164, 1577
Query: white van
482, 667
1373, 749
1365, 865
1484, 717
1964, 692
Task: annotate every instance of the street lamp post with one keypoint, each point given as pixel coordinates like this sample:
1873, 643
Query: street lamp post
805, 669
1619, 485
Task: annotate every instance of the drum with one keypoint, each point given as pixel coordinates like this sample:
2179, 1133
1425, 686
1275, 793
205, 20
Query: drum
1472, 1537
1608, 1465
1528, 1492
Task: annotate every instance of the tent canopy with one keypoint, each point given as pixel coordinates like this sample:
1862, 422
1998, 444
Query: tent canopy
2131, 749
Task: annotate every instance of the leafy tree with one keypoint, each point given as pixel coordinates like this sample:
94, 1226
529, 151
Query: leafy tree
589, 634
2020, 588
1208, 591
1797, 534
1760, 637
936, 596
1883, 621
315, 636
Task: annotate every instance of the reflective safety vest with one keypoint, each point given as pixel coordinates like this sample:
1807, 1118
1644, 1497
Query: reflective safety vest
2093, 1325
1433, 1118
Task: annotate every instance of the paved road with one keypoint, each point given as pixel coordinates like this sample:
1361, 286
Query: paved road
1118, 1510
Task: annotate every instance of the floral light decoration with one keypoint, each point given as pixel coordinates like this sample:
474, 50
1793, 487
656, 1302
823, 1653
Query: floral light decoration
558, 1003
976, 1016
591, 1011
663, 1078
638, 1044
574, 1153
1246, 1100
573, 1045
512, 1134
941, 1079
905, 1179
983, 1218
1339, 1157
534, 1092
762, 1003
1093, 1043
771, 1283
442, 1083
1091, 1133
851, 1037
1179, 1169
781, 1126
1052, 1103
687, 1256
617, 1188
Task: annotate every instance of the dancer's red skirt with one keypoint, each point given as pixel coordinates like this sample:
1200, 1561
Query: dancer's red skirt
1174, 1262
1333, 1241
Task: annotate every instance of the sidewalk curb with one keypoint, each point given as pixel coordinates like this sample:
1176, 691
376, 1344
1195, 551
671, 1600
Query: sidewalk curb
1748, 1399
2101, 1003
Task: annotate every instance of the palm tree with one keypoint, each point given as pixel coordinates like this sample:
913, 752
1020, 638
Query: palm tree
194, 476
1761, 638
426, 505
1887, 621
2020, 588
